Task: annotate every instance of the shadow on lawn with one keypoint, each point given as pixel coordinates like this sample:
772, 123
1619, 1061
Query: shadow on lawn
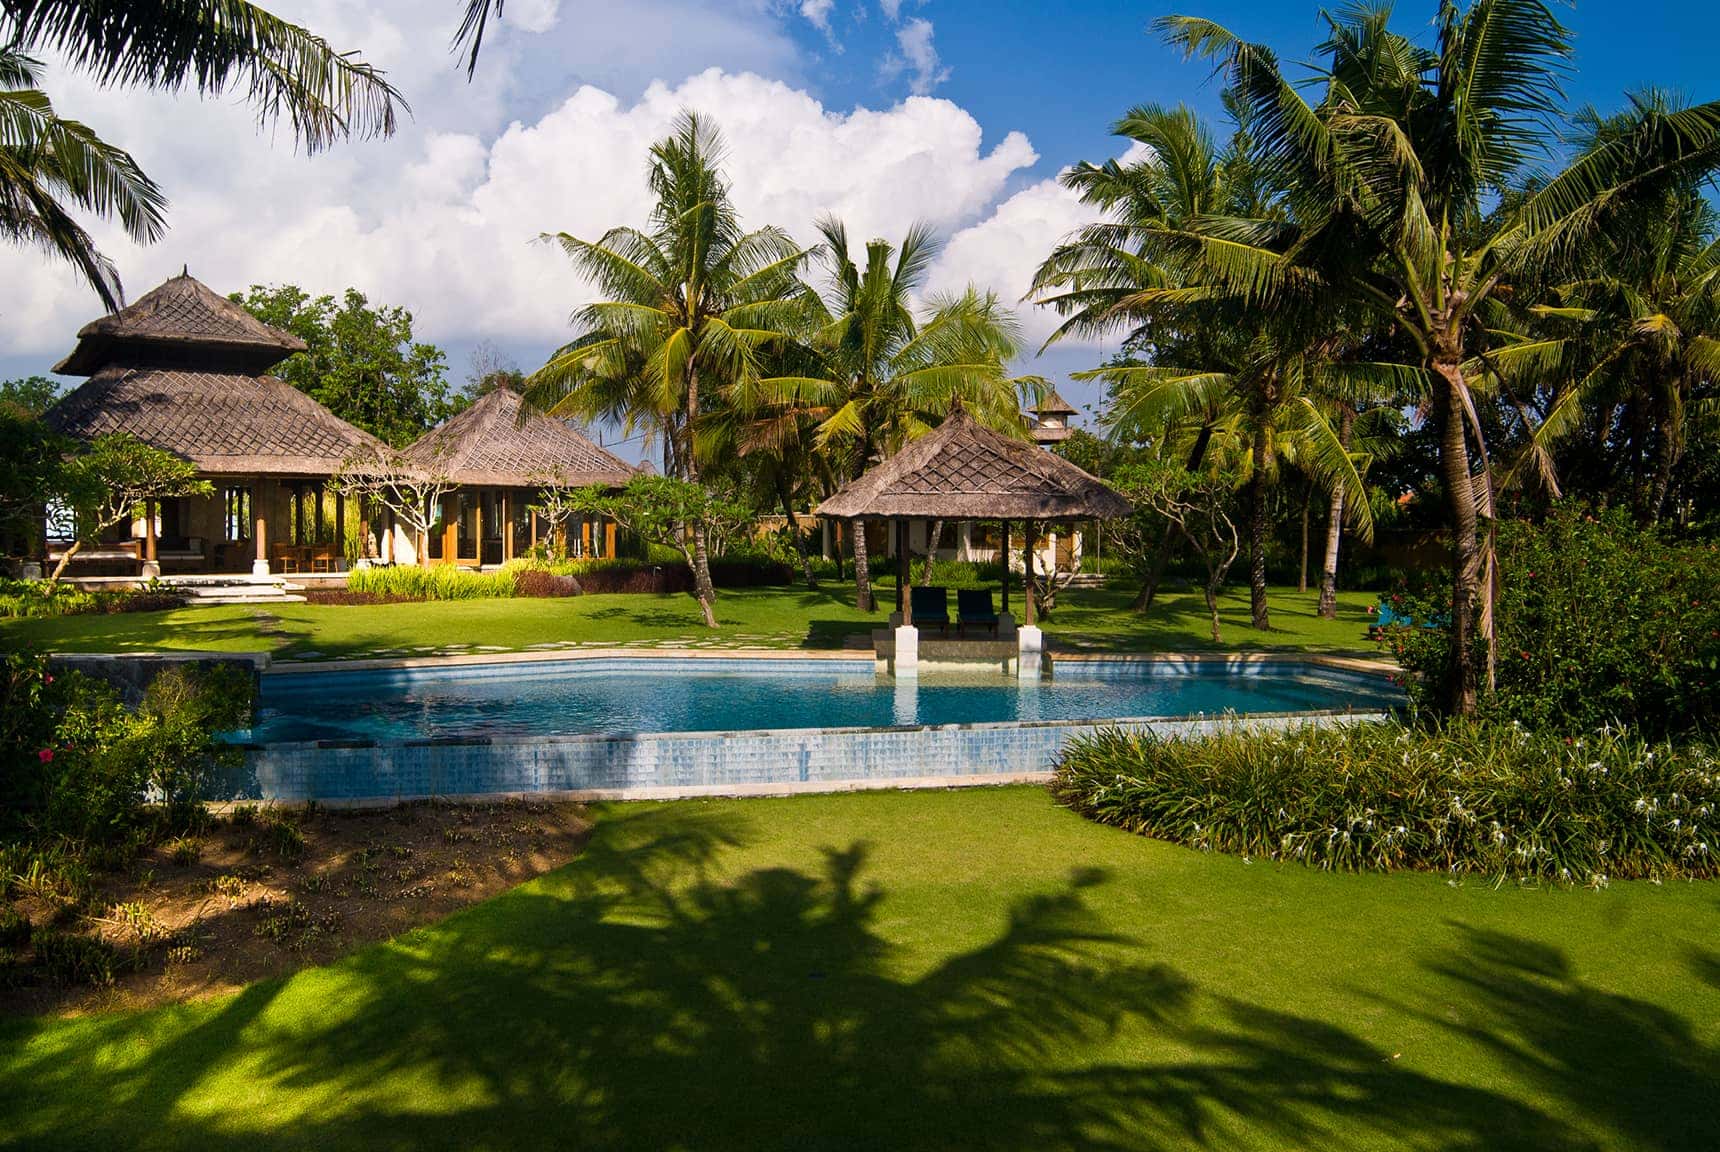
634, 1001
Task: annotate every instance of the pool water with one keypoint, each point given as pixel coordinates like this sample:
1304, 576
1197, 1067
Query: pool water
613, 696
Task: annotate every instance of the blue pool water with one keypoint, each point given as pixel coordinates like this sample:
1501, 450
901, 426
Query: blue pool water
554, 698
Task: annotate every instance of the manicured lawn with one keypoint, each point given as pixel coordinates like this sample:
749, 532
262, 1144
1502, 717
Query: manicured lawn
762, 617
927, 971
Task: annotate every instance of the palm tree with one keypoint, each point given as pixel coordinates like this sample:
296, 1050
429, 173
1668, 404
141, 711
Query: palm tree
50, 166
1647, 313
1388, 182
1277, 395
690, 305
891, 376
216, 46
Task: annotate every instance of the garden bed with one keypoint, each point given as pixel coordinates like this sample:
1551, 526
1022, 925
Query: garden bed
264, 893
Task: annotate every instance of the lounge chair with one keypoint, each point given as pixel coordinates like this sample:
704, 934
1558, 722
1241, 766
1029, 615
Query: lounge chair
928, 606
973, 606
1385, 616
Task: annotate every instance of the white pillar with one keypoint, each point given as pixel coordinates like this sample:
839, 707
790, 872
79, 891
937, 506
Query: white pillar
907, 651
1029, 649
964, 540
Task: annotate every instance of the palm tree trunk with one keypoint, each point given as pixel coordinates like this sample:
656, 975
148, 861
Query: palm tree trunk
862, 568
1466, 560
1302, 572
933, 535
1667, 451
703, 590
1328, 608
1257, 538
802, 546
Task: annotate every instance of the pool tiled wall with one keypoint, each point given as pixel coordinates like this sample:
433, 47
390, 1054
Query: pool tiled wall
660, 764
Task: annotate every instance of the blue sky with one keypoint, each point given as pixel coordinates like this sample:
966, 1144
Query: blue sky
884, 111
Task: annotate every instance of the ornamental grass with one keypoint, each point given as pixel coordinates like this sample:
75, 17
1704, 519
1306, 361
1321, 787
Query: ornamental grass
1485, 799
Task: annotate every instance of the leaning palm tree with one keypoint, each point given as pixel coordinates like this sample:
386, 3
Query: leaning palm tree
892, 376
1388, 183
216, 47
690, 305
51, 167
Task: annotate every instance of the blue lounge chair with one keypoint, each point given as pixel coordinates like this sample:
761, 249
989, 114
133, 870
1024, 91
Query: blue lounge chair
973, 606
928, 606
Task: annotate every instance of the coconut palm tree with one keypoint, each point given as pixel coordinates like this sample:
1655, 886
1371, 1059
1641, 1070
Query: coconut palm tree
1643, 321
1388, 183
891, 376
50, 167
216, 47
690, 305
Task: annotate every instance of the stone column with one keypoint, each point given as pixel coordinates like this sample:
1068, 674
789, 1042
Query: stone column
151, 565
907, 651
260, 566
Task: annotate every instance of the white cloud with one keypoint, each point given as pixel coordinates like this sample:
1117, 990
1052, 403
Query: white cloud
441, 218
916, 56
444, 225
817, 13
532, 15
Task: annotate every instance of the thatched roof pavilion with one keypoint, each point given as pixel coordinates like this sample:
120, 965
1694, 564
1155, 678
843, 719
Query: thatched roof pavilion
182, 369
1051, 419
964, 471
503, 442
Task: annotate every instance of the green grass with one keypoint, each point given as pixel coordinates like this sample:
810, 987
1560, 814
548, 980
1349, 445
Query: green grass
970, 969
765, 617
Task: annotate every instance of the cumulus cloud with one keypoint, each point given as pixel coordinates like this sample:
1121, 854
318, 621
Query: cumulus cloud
442, 218
916, 57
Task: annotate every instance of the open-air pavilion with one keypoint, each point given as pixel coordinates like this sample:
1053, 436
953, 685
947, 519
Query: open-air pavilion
965, 471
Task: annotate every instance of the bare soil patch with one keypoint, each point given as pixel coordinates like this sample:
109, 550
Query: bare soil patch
264, 893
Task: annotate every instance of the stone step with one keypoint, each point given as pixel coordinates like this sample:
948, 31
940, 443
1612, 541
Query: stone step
211, 601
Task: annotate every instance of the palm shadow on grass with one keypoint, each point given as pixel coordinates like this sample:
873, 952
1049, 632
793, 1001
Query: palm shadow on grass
640, 999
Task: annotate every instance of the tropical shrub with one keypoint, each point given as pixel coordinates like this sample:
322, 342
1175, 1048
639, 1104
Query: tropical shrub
78, 764
431, 582
36, 598
1476, 797
1600, 621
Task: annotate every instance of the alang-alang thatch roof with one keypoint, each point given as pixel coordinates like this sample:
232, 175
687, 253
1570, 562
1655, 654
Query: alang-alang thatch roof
181, 369
964, 471
224, 423
503, 441
182, 317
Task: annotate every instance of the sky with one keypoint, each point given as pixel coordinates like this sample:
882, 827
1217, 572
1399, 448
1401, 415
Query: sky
957, 112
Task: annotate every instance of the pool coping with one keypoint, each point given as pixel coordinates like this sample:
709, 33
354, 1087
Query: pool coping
376, 664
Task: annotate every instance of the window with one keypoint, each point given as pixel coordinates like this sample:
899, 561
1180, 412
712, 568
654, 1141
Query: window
238, 513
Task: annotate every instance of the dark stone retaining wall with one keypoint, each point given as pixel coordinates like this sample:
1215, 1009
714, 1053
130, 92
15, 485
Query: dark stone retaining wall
131, 673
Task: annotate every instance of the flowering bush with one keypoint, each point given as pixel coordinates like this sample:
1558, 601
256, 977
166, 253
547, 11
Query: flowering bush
77, 763
1482, 798
1599, 621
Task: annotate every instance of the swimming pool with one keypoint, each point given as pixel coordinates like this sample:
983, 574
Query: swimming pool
691, 724
627, 695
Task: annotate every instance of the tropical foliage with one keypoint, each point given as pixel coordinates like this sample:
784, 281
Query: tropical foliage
1490, 800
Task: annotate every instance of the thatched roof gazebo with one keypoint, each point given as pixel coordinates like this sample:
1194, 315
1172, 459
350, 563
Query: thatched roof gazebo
964, 471
503, 442
185, 370
497, 456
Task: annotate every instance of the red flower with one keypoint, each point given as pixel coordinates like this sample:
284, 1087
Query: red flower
45, 755
47, 679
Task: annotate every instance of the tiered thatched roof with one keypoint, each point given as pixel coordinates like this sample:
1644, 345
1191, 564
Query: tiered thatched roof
503, 441
1053, 405
963, 471
181, 369
181, 324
